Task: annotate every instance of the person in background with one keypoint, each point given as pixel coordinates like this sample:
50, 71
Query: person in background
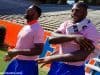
77, 38
2, 36
28, 46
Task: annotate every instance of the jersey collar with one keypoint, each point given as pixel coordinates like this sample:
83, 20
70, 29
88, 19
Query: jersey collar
32, 22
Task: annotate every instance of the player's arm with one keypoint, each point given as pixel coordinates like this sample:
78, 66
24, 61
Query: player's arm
58, 38
36, 50
86, 47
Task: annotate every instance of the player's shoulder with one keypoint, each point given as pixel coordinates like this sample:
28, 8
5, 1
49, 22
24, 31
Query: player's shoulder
67, 23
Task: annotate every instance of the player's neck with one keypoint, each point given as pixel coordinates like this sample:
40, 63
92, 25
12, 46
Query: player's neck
32, 22
78, 20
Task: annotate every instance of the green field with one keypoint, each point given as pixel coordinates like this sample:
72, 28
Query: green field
3, 65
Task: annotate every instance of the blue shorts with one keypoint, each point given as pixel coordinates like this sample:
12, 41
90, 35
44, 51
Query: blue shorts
22, 67
59, 68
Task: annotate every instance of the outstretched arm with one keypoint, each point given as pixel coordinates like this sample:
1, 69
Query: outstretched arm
86, 47
58, 38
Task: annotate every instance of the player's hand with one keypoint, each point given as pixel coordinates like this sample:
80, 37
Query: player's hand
85, 43
9, 55
44, 61
7, 58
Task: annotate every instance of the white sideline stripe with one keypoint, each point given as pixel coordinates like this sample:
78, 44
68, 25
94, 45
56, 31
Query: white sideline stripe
93, 67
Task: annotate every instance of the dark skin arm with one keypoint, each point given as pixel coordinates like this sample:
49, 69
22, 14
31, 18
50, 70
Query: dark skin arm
61, 38
86, 47
32, 52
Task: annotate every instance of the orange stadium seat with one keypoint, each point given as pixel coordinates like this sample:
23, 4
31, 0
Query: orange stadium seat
11, 33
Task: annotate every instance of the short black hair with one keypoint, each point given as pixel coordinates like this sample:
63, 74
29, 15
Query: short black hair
38, 9
82, 4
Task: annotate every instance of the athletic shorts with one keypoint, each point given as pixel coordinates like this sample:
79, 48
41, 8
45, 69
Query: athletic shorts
22, 67
60, 68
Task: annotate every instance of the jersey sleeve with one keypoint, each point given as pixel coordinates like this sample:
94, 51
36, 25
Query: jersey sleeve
62, 28
92, 34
